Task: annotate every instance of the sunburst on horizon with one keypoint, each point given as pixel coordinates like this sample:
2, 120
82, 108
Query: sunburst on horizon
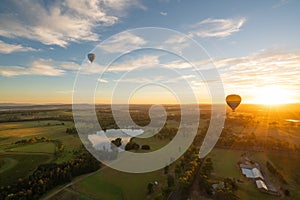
272, 95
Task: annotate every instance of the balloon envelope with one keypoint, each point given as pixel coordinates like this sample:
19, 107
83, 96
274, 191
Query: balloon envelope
91, 57
233, 101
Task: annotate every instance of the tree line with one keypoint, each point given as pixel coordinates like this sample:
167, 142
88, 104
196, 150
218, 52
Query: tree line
48, 176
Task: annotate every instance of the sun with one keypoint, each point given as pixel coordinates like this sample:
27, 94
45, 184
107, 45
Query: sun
271, 95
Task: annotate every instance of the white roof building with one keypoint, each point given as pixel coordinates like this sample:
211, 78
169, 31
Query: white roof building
252, 173
261, 185
257, 173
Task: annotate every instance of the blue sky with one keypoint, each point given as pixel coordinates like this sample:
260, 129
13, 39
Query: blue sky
254, 45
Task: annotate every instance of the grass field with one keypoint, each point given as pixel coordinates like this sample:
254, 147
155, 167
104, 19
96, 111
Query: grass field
224, 163
153, 142
112, 184
7, 163
43, 147
20, 165
14, 131
17, 161
70, 194
289, 167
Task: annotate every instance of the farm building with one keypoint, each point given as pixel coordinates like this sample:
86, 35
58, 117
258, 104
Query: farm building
252, 173
261, 185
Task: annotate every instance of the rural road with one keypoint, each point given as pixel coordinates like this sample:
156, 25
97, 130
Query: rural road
49, 196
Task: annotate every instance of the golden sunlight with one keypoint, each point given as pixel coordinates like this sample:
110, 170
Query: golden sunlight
272, 95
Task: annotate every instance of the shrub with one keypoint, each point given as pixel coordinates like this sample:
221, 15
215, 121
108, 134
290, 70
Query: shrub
145, 147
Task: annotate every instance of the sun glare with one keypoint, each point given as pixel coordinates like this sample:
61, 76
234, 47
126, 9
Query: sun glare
271, 95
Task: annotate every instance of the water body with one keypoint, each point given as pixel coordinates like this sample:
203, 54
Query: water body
102, 140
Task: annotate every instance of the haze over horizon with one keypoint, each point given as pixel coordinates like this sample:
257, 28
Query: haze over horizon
254, 46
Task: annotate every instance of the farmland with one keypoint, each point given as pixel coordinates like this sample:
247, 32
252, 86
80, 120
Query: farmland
43, 131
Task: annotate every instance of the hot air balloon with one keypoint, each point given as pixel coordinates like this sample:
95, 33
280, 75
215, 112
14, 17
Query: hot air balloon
233, 101
91, 57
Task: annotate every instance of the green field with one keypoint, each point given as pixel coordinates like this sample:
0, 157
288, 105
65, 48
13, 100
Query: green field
20, 165
19, 160
42, 147
112, 184
7, 163
15, 131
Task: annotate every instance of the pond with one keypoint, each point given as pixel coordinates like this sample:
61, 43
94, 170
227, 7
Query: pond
100, 142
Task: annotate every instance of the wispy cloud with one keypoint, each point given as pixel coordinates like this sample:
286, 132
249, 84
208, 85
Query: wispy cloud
154, 79
101, 80
208, 28
217, 27
35, 69
120, 7
61, 22
261, 69
141, 62
7, 48
39, 67
122, 43
157, 79
280, 3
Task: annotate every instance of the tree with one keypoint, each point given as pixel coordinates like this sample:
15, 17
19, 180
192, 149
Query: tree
117, 142
150, 188
166, 169
170, 181
145, 147
132, 145
287, 193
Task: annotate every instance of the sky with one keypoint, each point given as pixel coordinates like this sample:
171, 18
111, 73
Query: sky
254, 47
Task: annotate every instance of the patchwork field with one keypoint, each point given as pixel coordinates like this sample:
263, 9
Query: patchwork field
19, 160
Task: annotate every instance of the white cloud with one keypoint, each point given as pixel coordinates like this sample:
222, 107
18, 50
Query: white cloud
177, 43
60, 22
39, 67
163, 13
280, 3
143, 79
120, 7
205, 29
123, 42
142, 62
12, 71
178, 64
66, 65
217, 27
36, 69
262, 68
10, 48
129, 64
44, 68
101, 80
